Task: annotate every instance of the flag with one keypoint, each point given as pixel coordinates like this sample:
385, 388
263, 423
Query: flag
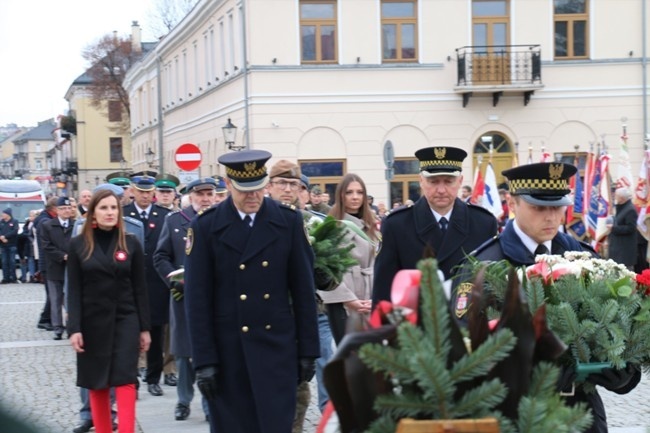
624, 172
479, 187
492, 201
604, 202
575, 213
641, 199
590, 168
546, 156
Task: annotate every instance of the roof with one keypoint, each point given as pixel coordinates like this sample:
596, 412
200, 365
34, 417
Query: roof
41, 132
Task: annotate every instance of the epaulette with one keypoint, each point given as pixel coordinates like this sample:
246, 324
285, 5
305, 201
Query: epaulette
173, 212
398, 210
479, 208
485, 244
288, 206
205, 211
586, 246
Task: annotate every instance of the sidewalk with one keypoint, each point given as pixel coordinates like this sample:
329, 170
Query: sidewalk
37, 380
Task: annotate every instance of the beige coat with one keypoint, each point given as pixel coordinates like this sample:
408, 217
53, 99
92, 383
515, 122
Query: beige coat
357, 282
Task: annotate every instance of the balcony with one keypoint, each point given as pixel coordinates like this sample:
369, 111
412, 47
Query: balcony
498, 69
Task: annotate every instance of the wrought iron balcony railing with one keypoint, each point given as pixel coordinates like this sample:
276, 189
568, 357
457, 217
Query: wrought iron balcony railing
498, 68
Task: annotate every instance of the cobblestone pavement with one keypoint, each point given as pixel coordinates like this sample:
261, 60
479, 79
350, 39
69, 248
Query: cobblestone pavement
37, 380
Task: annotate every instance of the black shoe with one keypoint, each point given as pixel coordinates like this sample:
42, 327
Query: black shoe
171, 379
154, 389
182, 412
114, 426
58, 336
83, 427
45, 325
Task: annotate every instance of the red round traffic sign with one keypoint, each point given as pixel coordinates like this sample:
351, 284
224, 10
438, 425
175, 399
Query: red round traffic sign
188, 157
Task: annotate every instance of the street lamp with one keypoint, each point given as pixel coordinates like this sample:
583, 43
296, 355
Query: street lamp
149, 157
229, 136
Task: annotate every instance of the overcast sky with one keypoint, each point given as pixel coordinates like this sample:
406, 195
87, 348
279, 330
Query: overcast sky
40, 49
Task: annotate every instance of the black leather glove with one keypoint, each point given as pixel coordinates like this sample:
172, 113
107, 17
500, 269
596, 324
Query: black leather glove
566, 379
306, 369
206, 380
177, 290
612, 378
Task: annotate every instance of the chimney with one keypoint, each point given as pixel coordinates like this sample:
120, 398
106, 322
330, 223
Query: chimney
136, 37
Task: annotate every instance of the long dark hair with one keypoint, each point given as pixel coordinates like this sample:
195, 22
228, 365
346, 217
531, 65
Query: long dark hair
365, 213
88, 229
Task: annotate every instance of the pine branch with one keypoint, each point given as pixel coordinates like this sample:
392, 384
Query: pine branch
480, 401
482, 359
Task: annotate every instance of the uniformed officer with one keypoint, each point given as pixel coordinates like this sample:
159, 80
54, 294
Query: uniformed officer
439, 220
123, 180
152, 217
221, 193
249, 298
166, 185
538, 198
170, 256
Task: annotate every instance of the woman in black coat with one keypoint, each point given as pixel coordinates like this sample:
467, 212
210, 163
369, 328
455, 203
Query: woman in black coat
108, 310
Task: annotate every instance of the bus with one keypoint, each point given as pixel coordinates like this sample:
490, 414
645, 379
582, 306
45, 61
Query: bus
21, 196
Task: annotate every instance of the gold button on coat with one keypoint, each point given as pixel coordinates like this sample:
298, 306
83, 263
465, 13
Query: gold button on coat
242, 266
267, 296
268, 327
244, 328
265, 264
243, 297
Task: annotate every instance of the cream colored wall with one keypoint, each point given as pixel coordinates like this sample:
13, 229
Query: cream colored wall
349, 111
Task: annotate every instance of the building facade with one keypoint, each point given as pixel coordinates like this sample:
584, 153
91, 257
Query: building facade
333, 84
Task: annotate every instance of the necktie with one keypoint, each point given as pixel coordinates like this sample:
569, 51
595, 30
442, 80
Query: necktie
65, 224
443, 224
541, 249
143, 214
248, 221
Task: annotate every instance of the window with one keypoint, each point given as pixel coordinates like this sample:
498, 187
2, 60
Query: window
398, 30
114, 111
318, 31
405, 184
571, 23
326, 173
115, 149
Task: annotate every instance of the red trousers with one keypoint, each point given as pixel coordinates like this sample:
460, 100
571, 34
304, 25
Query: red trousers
100, 408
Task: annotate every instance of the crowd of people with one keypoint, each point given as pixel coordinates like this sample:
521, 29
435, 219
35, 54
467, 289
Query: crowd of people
246, 320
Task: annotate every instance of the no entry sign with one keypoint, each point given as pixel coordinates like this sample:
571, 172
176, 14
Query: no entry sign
188, 157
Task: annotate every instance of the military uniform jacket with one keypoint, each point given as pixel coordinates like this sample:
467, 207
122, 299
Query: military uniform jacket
157, 288
407, 231
169, 256
55, 240
251, 310
107, 303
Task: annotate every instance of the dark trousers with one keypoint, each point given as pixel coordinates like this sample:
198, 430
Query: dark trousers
155, 354
45, 314
9, 263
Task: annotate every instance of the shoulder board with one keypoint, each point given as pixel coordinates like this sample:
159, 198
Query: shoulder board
205, 211
587, 247
479, 208
288, 206
173, 212
398, 210
485, 244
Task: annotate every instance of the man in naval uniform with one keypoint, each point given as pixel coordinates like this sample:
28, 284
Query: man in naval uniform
439, 220
250, 304
539, 195
170, 256
152, 217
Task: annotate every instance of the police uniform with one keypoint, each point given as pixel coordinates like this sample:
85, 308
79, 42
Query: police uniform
542, 184
408, 232
157, 289
250, 304
170, 256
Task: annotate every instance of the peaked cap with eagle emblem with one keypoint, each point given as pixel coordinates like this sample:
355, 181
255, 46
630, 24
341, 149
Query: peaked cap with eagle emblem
246, 169
542, 184
441, 161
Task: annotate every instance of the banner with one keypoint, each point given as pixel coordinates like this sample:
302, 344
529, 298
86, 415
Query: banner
604, 205
479, 188
641, 196
492, 201
575, 213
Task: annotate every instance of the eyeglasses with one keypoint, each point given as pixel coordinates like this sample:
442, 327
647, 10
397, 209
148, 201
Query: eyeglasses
283, 184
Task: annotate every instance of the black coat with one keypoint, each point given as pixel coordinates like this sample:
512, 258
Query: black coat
508, 246
623, 235
43, 216
406, 233
55, 241
156, 287
9, 229
170, 256
251, 310
107, 303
